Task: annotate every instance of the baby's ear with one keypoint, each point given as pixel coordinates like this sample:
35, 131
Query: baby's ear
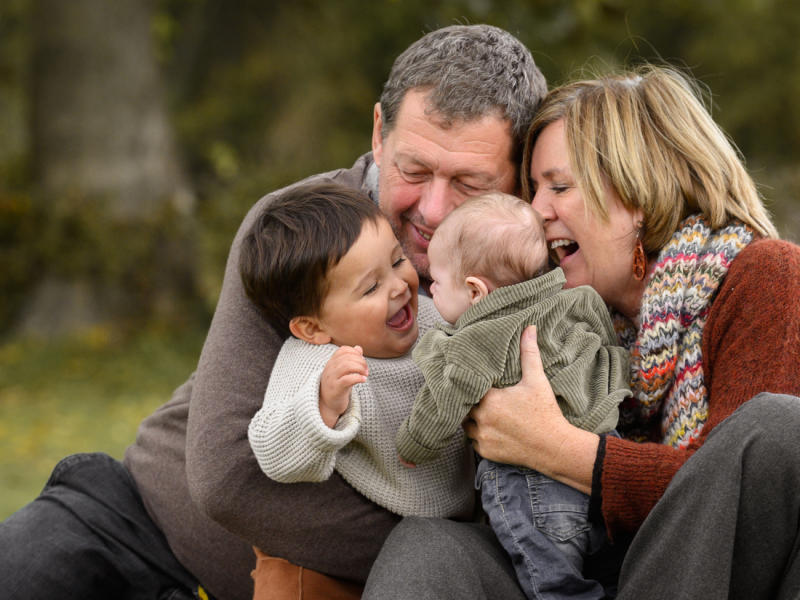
479, 288
309, 330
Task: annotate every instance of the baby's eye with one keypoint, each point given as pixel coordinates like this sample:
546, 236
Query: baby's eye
399, 262
372, 290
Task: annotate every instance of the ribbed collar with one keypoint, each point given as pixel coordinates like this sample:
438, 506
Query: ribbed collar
510, 299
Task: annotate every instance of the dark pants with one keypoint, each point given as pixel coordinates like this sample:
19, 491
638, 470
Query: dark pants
727, 527
87, 536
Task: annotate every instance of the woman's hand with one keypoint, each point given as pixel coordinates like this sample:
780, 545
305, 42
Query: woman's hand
523, 425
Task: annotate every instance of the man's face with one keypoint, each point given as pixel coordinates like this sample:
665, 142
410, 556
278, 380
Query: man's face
427, 170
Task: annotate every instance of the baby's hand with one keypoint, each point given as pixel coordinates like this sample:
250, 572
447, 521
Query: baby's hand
405, 463
345, 368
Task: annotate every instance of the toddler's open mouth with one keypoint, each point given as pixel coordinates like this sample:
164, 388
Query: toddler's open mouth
403, 319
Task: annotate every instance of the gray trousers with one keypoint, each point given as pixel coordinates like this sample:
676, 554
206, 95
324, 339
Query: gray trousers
727, 527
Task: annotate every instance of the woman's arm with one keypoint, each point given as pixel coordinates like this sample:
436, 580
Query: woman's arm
751, 344
523, 425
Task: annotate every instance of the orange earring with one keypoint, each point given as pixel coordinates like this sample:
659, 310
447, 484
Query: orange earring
639, 264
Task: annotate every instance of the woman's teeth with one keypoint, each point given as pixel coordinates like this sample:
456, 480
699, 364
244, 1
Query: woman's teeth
558, 243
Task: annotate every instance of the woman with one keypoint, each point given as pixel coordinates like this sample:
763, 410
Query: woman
646, 200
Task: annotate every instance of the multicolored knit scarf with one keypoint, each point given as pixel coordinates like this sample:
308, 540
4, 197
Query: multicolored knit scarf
666, 359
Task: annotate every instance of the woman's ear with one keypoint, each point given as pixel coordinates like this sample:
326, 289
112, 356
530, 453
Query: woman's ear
309, 330
638, 216
478, 288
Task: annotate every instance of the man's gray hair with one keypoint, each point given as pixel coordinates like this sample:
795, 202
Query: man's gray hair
467, 72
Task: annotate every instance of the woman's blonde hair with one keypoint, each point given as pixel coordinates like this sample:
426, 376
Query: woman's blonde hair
646, 134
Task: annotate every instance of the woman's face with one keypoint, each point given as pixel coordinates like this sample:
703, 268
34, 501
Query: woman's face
589, 250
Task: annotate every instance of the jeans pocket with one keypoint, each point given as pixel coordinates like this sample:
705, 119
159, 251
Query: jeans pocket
485, 469
560, 511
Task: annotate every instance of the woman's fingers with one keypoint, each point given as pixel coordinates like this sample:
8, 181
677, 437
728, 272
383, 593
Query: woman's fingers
517, 424
530, 358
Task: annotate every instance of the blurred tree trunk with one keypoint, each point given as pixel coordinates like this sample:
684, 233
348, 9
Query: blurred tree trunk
101, 131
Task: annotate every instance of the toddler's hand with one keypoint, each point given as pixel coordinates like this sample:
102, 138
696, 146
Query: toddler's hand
345, 368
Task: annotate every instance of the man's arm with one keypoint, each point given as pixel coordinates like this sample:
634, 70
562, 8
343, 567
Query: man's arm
327, 526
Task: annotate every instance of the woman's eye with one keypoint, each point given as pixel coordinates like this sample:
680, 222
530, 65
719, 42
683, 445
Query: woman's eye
558, 189
372, 290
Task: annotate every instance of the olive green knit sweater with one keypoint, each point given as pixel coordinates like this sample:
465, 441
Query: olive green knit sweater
589, 373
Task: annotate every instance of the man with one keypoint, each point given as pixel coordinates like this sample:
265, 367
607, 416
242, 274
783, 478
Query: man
448, 126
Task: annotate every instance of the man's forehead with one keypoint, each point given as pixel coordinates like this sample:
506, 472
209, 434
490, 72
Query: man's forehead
481, 148
416, 114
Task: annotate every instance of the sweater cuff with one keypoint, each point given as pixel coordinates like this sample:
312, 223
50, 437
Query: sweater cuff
321, 437
596, 498
410, 450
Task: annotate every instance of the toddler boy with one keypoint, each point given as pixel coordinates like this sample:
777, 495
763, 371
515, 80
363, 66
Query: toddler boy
489, 265
323, 266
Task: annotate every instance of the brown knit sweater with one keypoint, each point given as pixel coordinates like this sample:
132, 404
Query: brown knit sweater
751, 344
192, 460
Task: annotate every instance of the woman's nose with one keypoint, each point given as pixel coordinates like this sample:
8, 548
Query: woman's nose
542, 206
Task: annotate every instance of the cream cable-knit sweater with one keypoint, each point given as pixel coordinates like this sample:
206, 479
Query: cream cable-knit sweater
292, 443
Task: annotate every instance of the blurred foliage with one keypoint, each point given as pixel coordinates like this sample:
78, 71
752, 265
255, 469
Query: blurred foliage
85, 394
262, 93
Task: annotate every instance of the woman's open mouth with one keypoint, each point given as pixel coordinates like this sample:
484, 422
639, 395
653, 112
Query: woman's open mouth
563, 247
402, 320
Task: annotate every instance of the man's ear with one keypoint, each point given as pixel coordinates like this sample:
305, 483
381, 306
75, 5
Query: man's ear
309, 330
479, 288
377, 140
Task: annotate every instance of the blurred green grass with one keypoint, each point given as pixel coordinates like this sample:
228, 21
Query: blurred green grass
86, 394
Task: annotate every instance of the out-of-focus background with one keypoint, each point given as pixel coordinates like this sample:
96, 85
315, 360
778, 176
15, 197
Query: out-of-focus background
135, 134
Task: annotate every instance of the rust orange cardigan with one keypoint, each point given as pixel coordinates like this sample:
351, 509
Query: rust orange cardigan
751, 344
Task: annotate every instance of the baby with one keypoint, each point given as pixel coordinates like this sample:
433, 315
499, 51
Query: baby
323, 266
489, 265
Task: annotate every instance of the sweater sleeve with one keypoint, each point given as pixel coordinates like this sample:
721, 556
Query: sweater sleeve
751, 344
589, 373
441, 404
288, 437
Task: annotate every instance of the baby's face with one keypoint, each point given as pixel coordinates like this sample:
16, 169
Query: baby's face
451, 298
372, 301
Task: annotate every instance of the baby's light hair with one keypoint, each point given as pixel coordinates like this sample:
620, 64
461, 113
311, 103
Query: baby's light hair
495, 236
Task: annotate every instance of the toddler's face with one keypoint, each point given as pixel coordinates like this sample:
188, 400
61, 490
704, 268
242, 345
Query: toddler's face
451, 298
372, 301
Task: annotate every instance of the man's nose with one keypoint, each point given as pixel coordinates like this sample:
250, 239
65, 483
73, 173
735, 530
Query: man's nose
438, 199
